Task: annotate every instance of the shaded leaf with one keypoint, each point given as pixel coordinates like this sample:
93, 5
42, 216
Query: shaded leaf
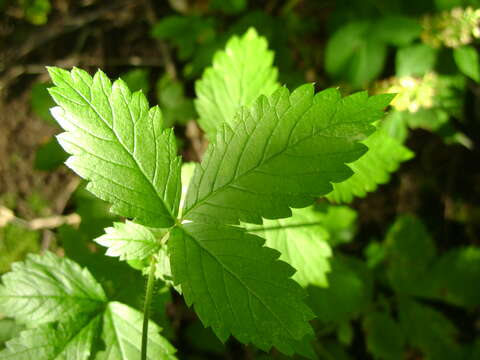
349, 291
410, 251
355, 53
385, 339
384, 156
467, 59
415, 60
302, 242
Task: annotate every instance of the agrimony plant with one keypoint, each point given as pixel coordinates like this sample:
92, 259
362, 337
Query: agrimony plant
270, 150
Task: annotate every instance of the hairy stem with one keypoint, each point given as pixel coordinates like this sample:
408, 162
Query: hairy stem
146, 306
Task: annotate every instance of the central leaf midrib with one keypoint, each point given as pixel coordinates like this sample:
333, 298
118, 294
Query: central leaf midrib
118, 140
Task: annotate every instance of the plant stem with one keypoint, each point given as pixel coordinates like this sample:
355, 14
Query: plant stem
146, 306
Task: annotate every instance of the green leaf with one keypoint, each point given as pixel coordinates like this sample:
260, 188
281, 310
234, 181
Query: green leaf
129, 241
410, 251
36, 11
398, 30
385, 339
429, 119
117, 143
72, 341
384, 156
455, 277
339, 221
187, 33
428, 330
282, 152
70, 311
164, 270
46, 288
137, 79
41, 102
176, 107
342, 45
395, 125
239, 75
302, 242
345, 333
355, 53
188, 170
122, 335
120, 281
49, 156
374, 253
349, 291
415, 60
239, 287
467, 59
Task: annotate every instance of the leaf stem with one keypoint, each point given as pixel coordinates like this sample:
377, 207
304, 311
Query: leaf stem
146, 306
281, 227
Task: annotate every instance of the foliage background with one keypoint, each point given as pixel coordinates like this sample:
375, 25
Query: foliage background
406, 266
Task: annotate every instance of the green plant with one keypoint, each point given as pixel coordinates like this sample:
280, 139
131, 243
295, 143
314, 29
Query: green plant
199, 231
378, 291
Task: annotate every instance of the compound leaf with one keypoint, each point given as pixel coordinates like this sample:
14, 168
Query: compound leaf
239, 287
302, 242
122, 334
117, 143
68, 308
239, 75
384, 156
46, 288
72, 341
282, 152
129, 241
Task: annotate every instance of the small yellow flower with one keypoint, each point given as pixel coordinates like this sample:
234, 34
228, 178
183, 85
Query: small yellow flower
451, 28
413, 93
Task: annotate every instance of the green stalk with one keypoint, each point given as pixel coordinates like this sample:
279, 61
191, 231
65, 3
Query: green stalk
146, 306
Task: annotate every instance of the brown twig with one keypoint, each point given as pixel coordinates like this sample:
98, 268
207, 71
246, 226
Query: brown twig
50, 222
